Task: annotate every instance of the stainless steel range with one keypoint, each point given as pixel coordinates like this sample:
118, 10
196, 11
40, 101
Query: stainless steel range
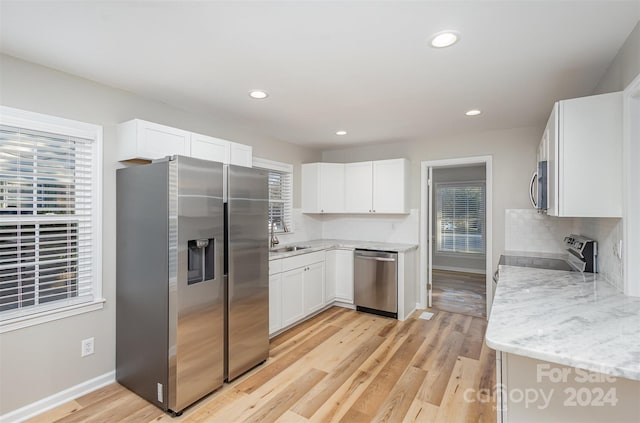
582, 257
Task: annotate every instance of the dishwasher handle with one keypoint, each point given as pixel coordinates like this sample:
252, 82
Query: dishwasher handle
375, 258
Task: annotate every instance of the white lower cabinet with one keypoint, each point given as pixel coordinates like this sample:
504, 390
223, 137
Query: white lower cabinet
296, 289
313, 287
339, 277
540, 391
292, 296
275, 302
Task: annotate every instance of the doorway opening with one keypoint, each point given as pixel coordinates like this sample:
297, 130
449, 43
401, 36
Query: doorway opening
455, 235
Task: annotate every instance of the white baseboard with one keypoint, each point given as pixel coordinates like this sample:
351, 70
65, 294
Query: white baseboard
459, 269
52, 401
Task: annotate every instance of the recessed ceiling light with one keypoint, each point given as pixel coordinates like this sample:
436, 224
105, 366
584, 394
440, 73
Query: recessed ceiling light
258, 94
444, 39
473, 112
341, 132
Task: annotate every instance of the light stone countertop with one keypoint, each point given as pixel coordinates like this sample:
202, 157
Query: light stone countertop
570, 318
325, 244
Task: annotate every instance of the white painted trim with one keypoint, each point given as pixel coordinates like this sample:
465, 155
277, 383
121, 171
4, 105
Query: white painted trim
272, 165
459, 269
50, 315
463, 161
57, 399
630, 188
54, 124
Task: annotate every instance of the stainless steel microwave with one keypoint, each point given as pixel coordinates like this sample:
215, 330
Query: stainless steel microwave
538, 188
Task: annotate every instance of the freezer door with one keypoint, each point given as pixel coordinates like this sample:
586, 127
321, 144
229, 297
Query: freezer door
196, 280
248, 269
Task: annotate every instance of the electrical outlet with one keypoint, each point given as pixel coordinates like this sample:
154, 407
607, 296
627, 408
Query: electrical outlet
86, 347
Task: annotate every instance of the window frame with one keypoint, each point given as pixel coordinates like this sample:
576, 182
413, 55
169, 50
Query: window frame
436, 241
67, 127
272, 165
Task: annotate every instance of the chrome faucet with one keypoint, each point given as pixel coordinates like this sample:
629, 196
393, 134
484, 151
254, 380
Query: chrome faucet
273, 239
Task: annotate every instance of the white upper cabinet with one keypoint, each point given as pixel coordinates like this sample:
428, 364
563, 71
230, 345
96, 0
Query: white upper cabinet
323, 188
210, 148
142, 140
584, 155
390, 186
358, 187
240, 154
380, 186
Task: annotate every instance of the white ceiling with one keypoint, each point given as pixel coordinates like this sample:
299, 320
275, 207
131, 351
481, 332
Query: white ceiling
362, 66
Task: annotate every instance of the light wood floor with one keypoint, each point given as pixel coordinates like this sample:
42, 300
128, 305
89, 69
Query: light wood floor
340, 366
459, 292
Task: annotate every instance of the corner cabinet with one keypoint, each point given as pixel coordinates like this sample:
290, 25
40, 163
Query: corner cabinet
380, 186
339, 276
582, 144
140, 140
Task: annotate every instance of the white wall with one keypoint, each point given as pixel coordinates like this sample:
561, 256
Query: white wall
42, 360
514, 155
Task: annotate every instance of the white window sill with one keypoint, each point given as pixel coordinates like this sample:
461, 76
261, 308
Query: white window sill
479, 256
51, 315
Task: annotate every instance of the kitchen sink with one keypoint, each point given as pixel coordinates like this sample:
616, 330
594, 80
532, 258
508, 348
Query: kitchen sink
288, 248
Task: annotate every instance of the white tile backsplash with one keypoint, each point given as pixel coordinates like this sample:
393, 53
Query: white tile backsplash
305, 228
608, 233
527, 230
402, 229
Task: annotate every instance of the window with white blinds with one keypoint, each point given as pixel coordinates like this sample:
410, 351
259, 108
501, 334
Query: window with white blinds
49, 214
280, 193
460, 217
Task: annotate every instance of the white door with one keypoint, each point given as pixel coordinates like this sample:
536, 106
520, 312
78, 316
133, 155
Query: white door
292, 296
430, 236
344, 276
389, 186
332, 187
313, 288
275, 302
358, 187
209, 148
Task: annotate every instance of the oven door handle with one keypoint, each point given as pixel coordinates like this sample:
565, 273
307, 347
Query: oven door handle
531, 186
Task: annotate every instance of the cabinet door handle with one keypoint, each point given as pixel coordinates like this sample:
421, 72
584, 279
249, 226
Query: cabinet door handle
374, 211
369, 210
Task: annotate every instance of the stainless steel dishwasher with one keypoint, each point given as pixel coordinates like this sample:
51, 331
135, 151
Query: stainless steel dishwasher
376, 282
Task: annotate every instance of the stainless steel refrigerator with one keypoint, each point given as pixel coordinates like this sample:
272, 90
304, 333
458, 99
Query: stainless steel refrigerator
192, 292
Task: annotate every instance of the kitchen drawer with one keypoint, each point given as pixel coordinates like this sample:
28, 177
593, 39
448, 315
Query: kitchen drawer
302, 260
275, 266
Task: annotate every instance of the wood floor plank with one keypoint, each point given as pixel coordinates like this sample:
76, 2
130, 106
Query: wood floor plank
459, 292
401, 396
319, 395
341, 365
421, 412
291, 417
270, 370
454, 405
272, 410
475, 339
59, 412
370, 402
438, 374
288, 340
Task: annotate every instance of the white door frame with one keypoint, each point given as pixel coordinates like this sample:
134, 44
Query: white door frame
631, 191
424, 224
